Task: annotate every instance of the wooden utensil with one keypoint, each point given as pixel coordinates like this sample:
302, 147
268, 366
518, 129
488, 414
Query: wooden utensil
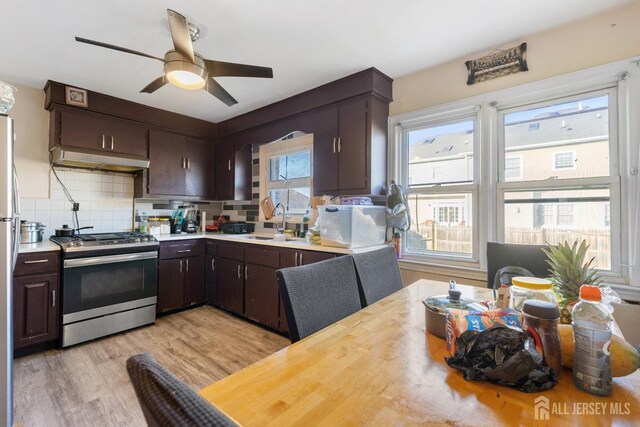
267, 207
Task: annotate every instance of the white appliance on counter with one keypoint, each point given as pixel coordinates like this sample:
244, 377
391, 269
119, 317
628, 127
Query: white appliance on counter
9, 240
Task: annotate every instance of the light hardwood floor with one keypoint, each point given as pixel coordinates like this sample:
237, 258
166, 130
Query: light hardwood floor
88, 385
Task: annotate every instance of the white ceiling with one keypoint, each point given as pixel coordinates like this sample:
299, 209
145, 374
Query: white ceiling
307, 43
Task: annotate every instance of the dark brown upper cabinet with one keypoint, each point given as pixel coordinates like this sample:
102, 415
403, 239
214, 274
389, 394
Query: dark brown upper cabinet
349, 148
233, 170
180, 165
98, 133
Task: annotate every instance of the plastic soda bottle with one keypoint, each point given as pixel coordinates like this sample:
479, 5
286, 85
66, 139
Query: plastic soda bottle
592, 337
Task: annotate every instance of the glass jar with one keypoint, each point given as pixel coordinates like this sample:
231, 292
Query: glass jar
540, 322
154, 226
526, 288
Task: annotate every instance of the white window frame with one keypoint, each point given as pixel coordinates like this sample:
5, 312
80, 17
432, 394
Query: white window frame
279, 147
612, 182
554, 160
622, 77
468, 113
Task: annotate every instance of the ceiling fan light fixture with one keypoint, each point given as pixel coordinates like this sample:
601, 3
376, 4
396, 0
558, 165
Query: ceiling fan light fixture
183, 73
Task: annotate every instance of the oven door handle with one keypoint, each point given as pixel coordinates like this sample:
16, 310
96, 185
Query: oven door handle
109, 259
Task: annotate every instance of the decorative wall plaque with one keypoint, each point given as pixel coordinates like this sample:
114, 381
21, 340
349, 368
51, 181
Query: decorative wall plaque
497, 64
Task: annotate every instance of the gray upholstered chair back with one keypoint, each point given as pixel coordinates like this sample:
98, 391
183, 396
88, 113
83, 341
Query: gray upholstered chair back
166, 401
378, 274
501, 255
317, 295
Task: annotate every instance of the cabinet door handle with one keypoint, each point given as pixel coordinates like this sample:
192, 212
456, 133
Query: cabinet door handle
103, 139
239, 274
246, 274
183, 163
300, 258
187, 266
180, 266
213, 264
36, 261
112, 140
229, 164
339, 144
184, 251
53, 298
334, 145
188, 163
296, 259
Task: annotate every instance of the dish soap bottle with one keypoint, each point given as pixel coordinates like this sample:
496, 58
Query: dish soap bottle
592, 337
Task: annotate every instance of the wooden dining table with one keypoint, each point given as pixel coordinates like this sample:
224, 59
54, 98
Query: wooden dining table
379, 366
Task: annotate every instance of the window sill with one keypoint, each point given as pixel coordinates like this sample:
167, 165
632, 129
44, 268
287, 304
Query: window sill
471, 273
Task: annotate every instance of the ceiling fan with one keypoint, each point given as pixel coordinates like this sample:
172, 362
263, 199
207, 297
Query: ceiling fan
186, 69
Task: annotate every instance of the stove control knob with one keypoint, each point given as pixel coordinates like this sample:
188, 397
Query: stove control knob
69, 243
145, 239
136, 240
80, 243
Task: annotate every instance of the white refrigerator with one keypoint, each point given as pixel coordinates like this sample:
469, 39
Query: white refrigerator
9, 241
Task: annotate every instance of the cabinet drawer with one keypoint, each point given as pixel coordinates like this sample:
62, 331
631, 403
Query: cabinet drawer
212, 249
36, 263
260, 256
231, 251
181, 249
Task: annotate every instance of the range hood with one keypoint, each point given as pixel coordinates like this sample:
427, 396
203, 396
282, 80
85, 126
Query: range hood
111, 162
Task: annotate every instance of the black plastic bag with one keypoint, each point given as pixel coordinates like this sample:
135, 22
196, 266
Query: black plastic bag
502, 355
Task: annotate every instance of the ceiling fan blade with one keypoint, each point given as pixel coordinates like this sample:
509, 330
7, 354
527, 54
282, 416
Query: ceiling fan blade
180, 34
155, 85
114, 47
214, 88
219, 69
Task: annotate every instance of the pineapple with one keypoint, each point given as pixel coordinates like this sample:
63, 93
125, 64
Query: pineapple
569, 271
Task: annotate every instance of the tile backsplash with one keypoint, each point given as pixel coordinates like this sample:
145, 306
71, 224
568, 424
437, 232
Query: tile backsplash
106, 201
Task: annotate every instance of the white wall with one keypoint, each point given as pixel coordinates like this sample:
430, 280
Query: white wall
598, 40
32, 142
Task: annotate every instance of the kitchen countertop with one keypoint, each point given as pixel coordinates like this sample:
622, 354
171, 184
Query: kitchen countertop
246, 238
302, 244
44, 246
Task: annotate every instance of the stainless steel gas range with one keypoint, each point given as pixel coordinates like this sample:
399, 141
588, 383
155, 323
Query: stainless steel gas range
109, 284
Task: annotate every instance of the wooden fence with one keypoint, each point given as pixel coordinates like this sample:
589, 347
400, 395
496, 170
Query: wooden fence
458, 239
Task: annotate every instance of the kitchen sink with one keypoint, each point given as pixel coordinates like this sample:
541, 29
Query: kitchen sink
259, 238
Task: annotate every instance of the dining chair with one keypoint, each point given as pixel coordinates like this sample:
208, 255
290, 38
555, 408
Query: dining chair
167, 401
378, 274
316, 295
529, 257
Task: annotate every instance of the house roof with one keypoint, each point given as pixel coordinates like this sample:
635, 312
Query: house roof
566, 127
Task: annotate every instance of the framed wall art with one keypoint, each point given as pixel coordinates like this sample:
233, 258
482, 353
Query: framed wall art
77, 97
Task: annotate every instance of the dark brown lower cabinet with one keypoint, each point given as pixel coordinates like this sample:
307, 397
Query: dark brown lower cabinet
170, 287
181, 275
194, 286
211, 274
35, 309
260, 285
36, 301
230, 283
261, 295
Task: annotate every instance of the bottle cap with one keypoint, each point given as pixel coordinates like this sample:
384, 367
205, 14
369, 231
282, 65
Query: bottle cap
590, 293
541, 309
532, 283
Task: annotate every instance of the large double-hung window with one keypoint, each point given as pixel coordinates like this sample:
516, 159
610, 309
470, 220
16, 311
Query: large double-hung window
543, 163
441, 181
569, 175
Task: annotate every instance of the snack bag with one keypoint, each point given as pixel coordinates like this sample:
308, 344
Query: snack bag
459, 321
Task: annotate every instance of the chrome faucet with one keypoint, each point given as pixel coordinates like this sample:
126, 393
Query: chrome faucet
284, 225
